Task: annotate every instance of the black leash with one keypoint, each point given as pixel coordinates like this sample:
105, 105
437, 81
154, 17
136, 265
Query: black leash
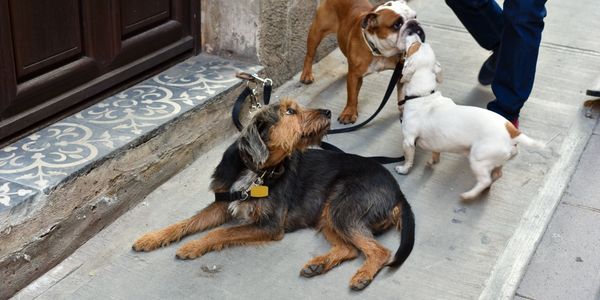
267, 85
388, 93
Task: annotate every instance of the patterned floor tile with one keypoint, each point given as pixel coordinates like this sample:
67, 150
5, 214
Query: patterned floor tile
11, 194
49, 156
155, 101
43, 159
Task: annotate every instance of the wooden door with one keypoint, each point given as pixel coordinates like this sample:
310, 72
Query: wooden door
55, 54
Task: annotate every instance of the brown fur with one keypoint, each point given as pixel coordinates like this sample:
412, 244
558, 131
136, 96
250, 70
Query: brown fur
224, 237
413, 49
340, 250
344, 17
376, 257
214, 215
513, 132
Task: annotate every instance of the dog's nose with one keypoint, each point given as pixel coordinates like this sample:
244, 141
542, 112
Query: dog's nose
325, 112
413, 27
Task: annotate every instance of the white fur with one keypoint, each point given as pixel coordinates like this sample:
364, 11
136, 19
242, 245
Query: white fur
392, 45
436, 123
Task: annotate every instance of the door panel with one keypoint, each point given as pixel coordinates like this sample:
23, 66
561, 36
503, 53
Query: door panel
36, 44
141, 14
55, 54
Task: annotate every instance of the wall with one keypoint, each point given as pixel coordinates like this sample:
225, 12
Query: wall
270, 32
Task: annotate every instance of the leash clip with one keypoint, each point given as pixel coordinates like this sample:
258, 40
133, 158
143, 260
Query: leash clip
255, 78
254, 104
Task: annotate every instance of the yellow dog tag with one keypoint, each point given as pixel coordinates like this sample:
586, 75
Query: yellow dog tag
259, 191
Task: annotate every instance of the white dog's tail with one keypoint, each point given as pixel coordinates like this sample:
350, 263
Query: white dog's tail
520, 138
527, 141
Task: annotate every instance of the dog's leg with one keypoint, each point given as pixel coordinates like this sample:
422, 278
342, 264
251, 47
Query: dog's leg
435, 158
322, 25
213, 215
496, 173
340, 252
376, 257
353, 84
409, 155
482, 171
399, 86
220, 238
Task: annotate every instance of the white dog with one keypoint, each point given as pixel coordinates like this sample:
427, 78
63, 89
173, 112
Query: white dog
436, 123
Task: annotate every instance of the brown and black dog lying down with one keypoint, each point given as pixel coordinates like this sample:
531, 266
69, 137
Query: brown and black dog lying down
347, 197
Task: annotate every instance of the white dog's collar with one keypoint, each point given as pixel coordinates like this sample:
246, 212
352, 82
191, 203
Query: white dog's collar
408, 98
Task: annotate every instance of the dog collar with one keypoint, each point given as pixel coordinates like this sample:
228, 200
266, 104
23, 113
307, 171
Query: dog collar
372, 48
408, 98
257, 189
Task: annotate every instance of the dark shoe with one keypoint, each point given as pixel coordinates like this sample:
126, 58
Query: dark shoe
488, 70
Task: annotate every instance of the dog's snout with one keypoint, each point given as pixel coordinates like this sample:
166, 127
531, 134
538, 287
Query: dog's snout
325, 112
413, 27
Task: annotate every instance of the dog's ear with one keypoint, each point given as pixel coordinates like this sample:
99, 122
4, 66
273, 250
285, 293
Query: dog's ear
252, 146
437, 69
369, 20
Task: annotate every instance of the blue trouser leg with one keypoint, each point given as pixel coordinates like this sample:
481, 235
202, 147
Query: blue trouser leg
515, 33
482, 18
515, 71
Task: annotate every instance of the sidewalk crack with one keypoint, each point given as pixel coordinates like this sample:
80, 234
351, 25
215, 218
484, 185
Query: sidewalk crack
593, 209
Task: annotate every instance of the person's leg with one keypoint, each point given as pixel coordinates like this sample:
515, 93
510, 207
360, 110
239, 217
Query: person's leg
482, 18
517, 56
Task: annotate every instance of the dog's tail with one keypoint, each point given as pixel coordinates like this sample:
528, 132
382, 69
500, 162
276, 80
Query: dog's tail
527, 141
520, 138
405, 222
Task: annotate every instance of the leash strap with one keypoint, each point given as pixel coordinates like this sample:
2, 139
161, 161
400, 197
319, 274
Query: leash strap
267, 88
230, 197
267, 84
388, 92
237, 107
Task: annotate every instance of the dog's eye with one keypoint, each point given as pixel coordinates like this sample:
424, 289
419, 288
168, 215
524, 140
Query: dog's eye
397, 25
290, 111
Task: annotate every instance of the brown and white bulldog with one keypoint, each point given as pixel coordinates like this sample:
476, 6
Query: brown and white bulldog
371, 38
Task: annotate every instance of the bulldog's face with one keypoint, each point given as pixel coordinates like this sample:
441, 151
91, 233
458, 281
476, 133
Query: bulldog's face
388, 26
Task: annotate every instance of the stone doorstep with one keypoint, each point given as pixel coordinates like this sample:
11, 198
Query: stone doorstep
62, 184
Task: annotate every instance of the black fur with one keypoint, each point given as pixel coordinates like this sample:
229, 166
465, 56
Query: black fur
360, 193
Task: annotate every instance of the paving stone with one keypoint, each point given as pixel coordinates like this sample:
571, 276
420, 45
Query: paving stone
566, 262
584, 189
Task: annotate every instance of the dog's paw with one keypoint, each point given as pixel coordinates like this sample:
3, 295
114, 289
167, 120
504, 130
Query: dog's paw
307, 77
360, 280
402, 169
191, 250
149, 242
468, 196
312, 270
431, 162
348, 116
435, 158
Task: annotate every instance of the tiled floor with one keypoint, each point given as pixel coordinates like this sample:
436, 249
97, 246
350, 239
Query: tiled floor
46, 158
12, 194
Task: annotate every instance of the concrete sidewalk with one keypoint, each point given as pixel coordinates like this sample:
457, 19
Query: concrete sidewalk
463, 250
